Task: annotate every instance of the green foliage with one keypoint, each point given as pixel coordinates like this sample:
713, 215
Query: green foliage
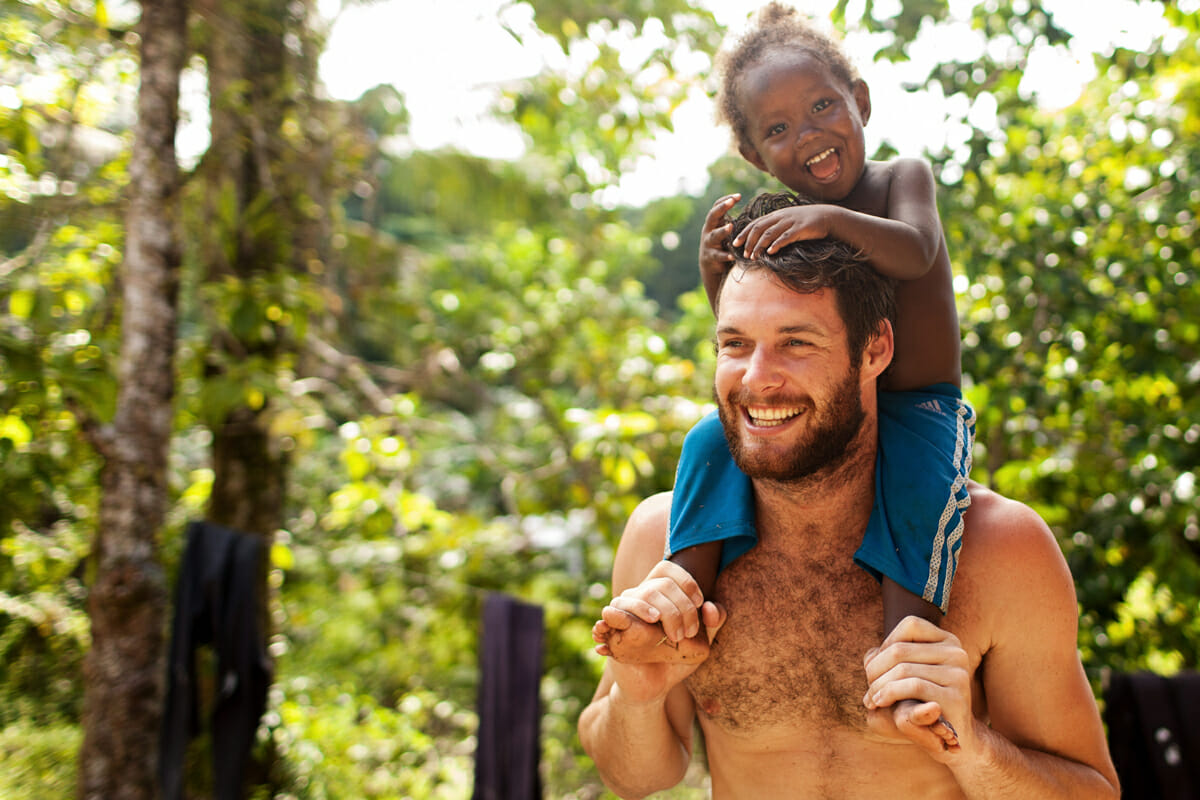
1080, 301
333, 744
903, 26
589, 126
62, 169
477, 369
38, 762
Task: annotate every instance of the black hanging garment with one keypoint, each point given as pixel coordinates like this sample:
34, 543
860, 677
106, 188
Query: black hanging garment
509, 745
216, 603
1154, 734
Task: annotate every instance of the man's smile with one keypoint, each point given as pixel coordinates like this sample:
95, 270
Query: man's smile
771, 416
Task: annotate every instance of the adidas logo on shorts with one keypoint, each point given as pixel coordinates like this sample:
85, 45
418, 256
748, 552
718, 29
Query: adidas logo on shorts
931, 405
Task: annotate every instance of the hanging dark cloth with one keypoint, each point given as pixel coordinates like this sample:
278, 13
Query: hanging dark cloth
217, 604
1154, 734
509, 745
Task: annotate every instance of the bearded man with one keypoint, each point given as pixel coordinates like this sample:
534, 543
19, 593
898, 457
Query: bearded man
782, 666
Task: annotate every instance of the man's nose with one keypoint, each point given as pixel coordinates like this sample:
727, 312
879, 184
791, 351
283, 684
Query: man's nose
762, 371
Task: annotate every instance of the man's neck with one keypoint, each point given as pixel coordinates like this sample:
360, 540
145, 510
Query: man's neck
837, 500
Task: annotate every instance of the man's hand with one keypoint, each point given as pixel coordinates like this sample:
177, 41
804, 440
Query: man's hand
770, 232
715, 257
664, 619
919, 688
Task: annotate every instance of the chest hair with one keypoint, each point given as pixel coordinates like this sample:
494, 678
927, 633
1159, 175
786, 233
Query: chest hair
791, 651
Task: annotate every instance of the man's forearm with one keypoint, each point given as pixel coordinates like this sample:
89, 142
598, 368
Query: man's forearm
635, 748
1004, 771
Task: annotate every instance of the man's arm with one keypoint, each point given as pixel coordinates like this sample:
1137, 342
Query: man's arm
638, 726
1044, 739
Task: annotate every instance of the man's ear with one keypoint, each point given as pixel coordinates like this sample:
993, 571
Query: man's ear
751, 155
878, 353
862, 96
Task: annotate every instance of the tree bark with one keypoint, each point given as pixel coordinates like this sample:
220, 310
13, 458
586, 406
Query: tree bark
253, 207
246, 61
123, 671
275, 185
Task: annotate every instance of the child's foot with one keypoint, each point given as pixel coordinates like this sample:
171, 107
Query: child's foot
946, 732
630, 640
929, 716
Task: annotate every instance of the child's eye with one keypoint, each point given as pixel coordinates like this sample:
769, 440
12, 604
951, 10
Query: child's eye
821, 105
775, 130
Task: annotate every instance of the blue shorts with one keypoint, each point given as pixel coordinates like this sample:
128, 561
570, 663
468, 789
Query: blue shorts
915, 531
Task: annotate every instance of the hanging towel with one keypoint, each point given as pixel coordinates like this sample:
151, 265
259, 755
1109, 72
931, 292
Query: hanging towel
509, 745
1154, 734
216, 603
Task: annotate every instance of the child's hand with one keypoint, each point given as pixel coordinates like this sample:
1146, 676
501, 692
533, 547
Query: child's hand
714, 256
769, 233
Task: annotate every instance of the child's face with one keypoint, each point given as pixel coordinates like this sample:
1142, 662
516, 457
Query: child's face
804, 125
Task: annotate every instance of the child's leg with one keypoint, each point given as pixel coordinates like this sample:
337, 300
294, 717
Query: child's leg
712, 518
913, 539
899, 603
702, 561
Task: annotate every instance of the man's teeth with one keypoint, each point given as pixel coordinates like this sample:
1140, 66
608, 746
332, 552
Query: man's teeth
819, 157
768, 417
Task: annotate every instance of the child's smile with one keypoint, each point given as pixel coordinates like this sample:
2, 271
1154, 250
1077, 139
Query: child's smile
825, 165
805, 126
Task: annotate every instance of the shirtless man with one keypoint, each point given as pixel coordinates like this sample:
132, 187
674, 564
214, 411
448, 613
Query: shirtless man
793, 696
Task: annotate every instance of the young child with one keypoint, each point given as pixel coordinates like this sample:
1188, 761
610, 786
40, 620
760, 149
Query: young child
797, 109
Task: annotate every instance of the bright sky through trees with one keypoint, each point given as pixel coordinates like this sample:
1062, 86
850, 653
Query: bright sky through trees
449, 60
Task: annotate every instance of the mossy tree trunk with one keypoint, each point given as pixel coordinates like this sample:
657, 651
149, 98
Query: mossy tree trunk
123, 670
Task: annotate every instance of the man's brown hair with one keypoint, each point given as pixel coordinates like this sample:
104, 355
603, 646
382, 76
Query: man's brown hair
865, 298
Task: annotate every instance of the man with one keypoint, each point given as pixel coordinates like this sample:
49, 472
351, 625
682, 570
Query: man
793, 696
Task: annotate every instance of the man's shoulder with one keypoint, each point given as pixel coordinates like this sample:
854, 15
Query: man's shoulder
644, 540
996, 521
651, 517
1007, 544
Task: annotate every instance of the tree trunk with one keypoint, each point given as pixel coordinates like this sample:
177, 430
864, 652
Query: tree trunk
276, 188
123, 671
246, 61
248, 476
252, 208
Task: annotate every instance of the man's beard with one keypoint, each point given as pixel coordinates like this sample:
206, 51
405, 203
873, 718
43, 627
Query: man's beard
824, 448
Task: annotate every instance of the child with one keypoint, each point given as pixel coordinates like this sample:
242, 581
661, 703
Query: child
797, 110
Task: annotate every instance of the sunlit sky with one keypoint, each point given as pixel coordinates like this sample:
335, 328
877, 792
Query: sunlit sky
449, 60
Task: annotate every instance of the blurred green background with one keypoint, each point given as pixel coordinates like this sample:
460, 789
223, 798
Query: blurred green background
466, 371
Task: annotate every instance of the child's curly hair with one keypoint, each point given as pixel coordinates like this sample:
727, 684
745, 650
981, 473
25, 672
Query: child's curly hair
775, 27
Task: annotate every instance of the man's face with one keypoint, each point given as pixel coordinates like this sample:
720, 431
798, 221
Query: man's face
789, 394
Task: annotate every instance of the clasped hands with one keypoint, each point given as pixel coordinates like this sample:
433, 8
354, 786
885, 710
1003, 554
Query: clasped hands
919, 682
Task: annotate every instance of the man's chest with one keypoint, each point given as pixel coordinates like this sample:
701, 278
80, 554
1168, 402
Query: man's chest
791, 651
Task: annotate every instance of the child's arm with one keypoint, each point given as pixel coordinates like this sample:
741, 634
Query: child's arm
714, 257
904, 244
